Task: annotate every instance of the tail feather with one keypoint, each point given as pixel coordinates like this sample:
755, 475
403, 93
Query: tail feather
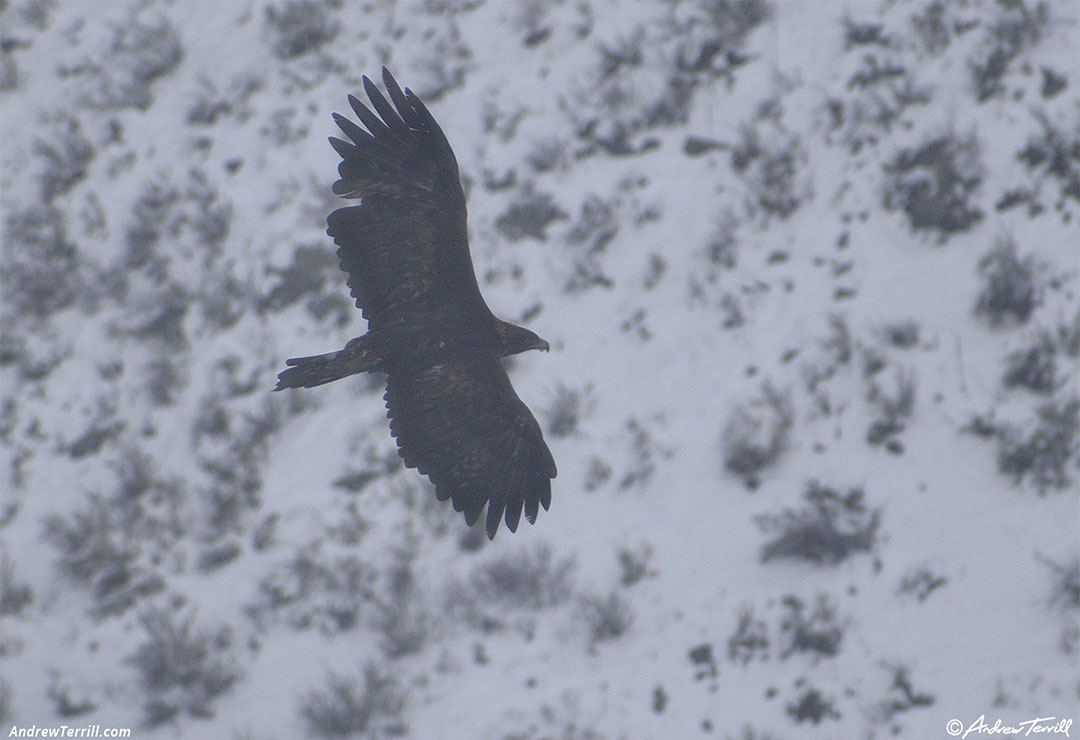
308, 372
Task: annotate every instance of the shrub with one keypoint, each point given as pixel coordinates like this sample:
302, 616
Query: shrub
839, 342
96, 550
635, 564
904, 697
932, 27
749, 733
9, 70
1011, 293
151, 216
701, 657
862, 34
644, 451
894, 410
813, 706
714, 32
903, 334
606, 617
211, 105
65, 705
921, 582
751, 638
756, 435
310, 591
164, 381
208, 216
1034, 368
819, 633
565, 409
305, 275
527, 579
14, 596
529, 216
1016, 28
828, 530
1045, 453
350, 705
1065, 591
66, 157
770, 172
933, 184
299, 27
141, 52
182, 669
403, 620
41, 266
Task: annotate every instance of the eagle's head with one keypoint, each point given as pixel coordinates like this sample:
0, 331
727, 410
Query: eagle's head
517, 339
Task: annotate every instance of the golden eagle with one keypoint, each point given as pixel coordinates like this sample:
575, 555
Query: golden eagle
405, 249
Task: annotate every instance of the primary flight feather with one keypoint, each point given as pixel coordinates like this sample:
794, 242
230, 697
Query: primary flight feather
405, 250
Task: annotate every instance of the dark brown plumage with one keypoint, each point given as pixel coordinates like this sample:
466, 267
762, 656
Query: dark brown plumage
406, 252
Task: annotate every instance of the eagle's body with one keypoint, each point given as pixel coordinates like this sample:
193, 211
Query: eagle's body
405, 250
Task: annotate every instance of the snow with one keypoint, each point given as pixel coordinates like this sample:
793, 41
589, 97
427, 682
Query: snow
728, 279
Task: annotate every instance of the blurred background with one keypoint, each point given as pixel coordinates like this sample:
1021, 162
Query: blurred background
809, 274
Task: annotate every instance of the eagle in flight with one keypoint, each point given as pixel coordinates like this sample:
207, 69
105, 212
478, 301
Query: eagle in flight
405, 249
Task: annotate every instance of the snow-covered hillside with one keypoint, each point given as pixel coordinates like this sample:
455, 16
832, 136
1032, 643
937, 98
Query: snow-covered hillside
809, 273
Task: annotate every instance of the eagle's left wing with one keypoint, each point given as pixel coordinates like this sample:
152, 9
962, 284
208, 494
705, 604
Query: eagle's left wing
459, 422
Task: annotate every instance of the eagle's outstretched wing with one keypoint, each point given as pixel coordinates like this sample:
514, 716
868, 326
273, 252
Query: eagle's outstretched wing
460, 423
405, 247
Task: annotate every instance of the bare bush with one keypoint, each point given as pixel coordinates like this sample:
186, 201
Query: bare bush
369, 703
1016, 28
298, 27
1055, 153
902, 334
894, 409
1011, 292
814, 706
527, 579
1034, 368
903, 697
921, 583
606, 617
751, 638
95, 550
566, 409
66, 156
210, 105
312, 590
1065, 590
770, 171
1044, 454
749, 733
41, 266
828, 530
182, 669
529, 216
711, 33
304, 276
818, 632
635, 564
756, 435
14, 596
934, 183
403, 619
140, 53
932, 27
